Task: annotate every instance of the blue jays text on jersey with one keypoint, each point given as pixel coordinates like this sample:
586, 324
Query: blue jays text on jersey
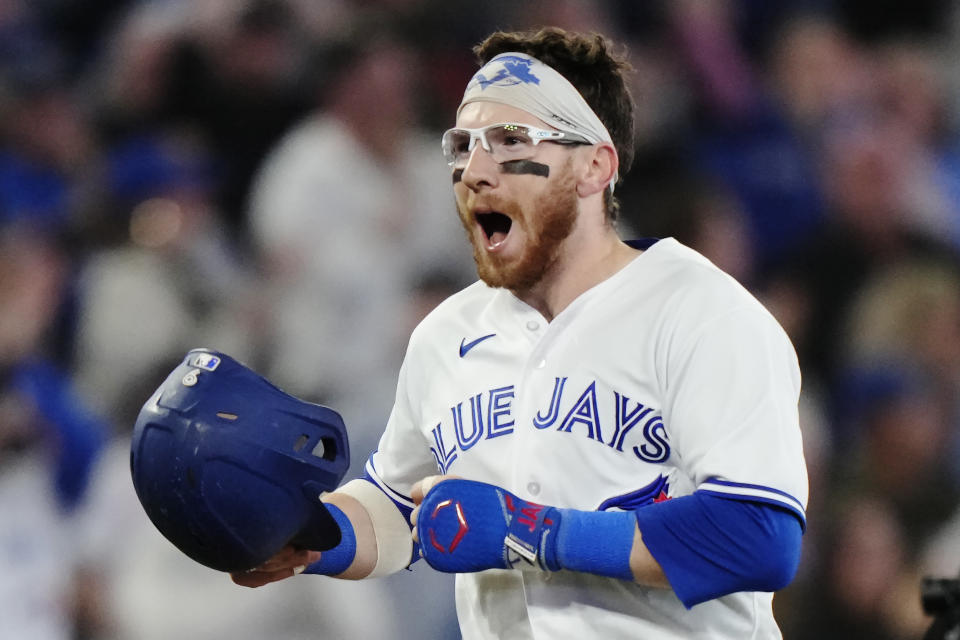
635, 429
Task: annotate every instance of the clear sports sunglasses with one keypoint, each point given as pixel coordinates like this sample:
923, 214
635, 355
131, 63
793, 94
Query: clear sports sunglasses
504, 141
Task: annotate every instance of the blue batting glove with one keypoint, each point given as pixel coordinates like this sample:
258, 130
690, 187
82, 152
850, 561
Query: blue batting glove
467, 526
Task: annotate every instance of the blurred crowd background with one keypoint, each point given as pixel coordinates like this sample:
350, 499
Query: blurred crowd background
264, 177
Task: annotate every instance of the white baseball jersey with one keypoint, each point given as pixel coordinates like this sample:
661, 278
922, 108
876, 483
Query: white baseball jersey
665, 378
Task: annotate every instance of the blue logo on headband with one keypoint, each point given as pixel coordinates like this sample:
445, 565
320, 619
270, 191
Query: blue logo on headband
515, 70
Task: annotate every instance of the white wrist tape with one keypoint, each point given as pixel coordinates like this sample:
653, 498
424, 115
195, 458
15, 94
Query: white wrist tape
390, 528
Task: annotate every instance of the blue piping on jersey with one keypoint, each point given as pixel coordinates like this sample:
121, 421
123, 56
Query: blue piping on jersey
755, 493
403, 503
370, 474
642, 243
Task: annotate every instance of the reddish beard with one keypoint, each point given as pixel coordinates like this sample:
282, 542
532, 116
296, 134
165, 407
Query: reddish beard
547, 225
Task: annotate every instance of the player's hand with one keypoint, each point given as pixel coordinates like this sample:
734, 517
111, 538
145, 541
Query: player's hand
419, 491
288, 562
465, 526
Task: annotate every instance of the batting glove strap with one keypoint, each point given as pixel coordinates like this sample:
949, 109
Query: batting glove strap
531, 533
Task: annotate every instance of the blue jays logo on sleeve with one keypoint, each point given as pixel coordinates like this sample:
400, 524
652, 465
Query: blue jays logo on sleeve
515, 70
656, 491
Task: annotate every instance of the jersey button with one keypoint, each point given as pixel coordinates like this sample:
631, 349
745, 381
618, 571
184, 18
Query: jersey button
533, 488
533, 325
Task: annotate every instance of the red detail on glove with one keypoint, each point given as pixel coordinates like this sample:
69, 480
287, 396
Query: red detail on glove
461, 531
529, 515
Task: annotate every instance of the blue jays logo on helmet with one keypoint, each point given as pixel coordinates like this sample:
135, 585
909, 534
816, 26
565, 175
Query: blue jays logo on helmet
230, 468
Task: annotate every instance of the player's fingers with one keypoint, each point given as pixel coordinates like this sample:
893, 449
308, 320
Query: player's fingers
422, 488
413, 521
280, 558
288, 558
257, 578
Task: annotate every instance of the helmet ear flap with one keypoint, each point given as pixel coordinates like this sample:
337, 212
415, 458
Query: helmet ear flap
319, 530
230, 468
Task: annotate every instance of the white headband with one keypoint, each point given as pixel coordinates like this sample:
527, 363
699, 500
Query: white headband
522, 81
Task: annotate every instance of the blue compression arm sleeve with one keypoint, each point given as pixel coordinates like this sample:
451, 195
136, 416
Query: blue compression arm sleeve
710, 546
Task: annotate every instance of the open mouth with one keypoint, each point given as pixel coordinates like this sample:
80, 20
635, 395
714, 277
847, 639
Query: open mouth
495, 227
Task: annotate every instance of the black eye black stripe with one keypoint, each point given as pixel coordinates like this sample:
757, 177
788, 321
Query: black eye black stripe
525, 167
515, 167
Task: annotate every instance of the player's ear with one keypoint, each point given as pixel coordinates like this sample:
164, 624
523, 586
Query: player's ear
601, 166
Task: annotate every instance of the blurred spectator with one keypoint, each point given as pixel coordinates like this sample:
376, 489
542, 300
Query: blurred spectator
239, 83
867, 587
700, 213
908, 317
49, 441
757, 127
864, 175
350, 210
914, 94
229, 71
900, 433
893, 449
131, 82
910, 313
47, 151
175, 282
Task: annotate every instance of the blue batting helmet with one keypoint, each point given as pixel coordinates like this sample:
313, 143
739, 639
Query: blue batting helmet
230, 468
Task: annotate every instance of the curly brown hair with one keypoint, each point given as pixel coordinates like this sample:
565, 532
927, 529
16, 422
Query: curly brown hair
586, 60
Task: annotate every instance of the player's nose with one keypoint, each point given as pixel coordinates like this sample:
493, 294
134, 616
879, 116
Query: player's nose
481, 170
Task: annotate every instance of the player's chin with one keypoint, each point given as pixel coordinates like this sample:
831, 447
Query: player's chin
502, 269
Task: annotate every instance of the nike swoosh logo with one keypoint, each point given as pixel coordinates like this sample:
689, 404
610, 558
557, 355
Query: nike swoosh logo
466, 346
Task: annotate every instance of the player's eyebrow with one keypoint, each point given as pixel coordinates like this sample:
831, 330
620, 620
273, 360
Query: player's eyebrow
525, 167
457, 175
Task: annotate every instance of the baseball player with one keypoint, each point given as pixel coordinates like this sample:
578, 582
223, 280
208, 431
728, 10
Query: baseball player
600, 438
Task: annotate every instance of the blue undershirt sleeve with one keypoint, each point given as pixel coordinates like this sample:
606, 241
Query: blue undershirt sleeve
337, 560
710, 546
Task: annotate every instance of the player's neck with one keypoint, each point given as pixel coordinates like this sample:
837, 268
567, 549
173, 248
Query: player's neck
583, 263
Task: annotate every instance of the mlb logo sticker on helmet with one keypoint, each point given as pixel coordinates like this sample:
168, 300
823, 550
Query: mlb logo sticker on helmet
206, 361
